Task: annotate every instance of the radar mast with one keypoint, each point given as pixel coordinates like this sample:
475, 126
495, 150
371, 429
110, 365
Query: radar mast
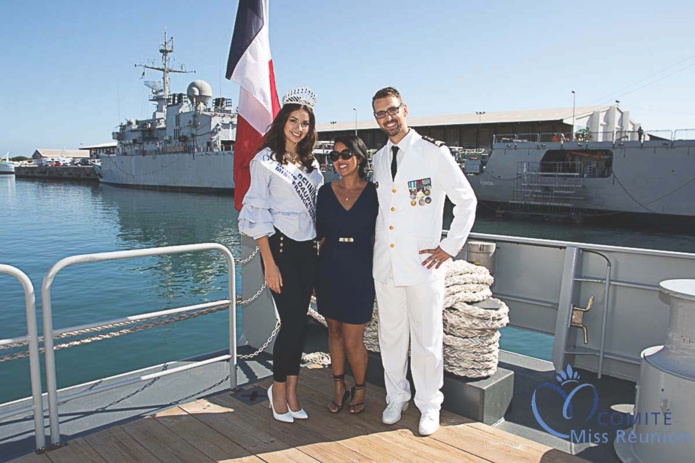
162, 94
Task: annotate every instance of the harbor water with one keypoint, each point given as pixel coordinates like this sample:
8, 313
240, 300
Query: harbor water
45, 221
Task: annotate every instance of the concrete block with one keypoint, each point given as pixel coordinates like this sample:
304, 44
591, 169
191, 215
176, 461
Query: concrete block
485, 400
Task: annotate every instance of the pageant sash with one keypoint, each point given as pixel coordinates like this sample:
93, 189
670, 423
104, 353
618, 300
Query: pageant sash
301, 184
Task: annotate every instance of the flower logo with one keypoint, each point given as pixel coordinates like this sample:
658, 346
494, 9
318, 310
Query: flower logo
567, 390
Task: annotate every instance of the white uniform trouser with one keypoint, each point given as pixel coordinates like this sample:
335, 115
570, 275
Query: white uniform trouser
412, 313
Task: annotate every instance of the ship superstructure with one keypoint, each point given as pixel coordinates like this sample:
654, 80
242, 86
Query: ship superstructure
186, 144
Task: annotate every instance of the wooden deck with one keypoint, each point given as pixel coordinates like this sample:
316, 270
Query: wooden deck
222, 428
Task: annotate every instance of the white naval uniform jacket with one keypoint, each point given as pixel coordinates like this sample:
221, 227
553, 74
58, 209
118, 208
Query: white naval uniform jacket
402, 230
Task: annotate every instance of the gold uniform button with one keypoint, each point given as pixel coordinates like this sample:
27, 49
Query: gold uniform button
394, 190
391, 227
393, 209
393, 245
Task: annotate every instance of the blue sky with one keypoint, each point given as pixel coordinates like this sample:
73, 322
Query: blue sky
68, 75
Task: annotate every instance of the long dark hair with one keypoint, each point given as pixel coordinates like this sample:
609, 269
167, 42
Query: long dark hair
358, 148
275, 137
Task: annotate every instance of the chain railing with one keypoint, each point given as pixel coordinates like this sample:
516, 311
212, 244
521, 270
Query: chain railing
265, 344
249, 258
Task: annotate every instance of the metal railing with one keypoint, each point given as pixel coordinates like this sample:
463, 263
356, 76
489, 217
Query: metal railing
517, 138
50, 334
617, 136
34, 366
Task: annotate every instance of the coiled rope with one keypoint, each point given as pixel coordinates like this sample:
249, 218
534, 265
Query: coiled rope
471, 318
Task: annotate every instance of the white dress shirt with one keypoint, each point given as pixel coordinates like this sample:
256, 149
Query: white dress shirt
282, 197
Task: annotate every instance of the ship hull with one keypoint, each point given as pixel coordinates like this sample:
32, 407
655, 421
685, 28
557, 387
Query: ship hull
207, 171
645, 179
6, 168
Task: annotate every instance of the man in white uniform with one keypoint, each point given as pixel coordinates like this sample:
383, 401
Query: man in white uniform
414, 174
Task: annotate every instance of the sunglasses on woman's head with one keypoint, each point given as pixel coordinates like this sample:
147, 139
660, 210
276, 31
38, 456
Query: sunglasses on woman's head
345, 154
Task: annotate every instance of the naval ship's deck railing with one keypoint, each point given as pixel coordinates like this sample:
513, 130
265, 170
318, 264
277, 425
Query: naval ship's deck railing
31, 339
50, 334
617, 137
560, 276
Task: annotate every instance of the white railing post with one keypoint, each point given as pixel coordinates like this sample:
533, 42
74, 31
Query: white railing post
33, 345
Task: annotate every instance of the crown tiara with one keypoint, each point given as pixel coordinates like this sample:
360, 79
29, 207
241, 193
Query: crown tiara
302, 95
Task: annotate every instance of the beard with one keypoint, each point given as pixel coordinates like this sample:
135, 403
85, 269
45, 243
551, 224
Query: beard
394, 130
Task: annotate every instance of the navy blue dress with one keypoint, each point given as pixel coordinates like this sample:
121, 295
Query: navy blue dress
345, 287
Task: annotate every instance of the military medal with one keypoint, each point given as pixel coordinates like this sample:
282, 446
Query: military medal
412, 189
427, 186
420, 191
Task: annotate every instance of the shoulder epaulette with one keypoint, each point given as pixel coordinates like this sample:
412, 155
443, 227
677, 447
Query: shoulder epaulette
439, 143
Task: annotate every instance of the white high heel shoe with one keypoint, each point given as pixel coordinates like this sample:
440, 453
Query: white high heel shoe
284, 417
299, 414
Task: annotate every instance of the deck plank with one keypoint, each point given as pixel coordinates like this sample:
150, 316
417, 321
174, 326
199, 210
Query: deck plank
75, 450
210, 442
163, 442
116, 446
400, 438
222, 428
225, 420
350, 431
540, 451
473, 438
297, 434
32, 458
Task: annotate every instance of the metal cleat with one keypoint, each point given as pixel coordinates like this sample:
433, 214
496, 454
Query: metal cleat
577, 318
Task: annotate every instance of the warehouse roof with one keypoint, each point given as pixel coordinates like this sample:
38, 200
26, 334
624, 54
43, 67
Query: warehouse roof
527, 115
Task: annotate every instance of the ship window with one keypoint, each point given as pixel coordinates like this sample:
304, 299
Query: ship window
578, 163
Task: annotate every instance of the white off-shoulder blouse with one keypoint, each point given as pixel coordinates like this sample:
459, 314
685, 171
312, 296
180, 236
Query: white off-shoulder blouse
282, 197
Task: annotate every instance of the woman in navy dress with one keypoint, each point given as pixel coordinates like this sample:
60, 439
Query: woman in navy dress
346, 211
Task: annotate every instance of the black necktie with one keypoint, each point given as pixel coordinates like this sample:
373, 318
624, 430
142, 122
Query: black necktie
394, 162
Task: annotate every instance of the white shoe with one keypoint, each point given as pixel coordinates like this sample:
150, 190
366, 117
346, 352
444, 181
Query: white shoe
392, 413
299, 414
284, 417
429, 422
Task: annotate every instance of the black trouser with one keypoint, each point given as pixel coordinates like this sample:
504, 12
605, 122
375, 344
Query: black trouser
297, 261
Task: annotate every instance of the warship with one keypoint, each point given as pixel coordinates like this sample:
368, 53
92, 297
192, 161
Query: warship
186, 145
591, 174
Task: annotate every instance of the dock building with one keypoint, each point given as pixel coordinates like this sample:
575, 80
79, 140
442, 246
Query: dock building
475, 130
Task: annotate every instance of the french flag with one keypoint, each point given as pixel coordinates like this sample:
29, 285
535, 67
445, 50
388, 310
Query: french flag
251, 67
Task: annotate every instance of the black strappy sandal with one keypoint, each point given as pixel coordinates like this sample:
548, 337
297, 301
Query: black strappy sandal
334, 407
353, 408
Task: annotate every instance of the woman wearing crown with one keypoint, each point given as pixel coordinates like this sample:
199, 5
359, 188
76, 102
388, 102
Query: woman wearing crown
279, 212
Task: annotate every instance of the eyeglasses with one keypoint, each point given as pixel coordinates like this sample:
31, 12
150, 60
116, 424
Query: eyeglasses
345, 154
392, 111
